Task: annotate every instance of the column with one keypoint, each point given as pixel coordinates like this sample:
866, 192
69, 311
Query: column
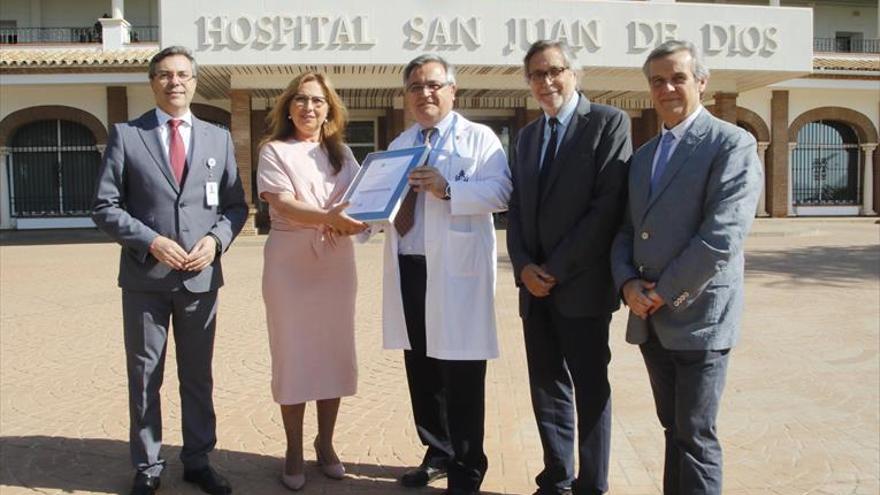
762, 155
868, 182
725, 106
115, 30
117, 105
778, 191
240, 128
789, 179
5, 214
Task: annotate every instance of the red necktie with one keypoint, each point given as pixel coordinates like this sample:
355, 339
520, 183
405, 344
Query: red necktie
176, 150
406, 215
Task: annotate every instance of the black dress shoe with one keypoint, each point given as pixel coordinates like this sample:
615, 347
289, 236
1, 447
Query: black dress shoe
208, 480
461, 491
144, 484
421, 476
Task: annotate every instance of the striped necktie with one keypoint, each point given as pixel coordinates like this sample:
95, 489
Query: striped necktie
406, 215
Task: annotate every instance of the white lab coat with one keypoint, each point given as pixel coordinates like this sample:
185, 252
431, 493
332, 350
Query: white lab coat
460, 248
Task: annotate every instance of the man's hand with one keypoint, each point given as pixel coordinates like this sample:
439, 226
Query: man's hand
202, 254
637, 295
656, 300
168, 252
428, 179
537, 281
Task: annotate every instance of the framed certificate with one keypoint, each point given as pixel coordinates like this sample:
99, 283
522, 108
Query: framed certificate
378, 188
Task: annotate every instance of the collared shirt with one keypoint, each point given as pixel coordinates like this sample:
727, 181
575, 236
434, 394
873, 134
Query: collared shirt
185, 130
678, 131
564, 117
414, 240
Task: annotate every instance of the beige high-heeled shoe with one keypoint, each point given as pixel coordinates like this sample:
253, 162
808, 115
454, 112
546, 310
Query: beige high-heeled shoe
293, 482
333, 471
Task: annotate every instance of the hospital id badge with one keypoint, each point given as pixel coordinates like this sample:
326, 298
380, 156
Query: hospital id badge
212, 193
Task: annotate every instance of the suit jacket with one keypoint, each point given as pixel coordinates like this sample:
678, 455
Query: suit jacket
688, 234
138, 199
571, 222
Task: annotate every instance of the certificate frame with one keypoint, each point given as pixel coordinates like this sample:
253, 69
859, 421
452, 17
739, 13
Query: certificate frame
375, 205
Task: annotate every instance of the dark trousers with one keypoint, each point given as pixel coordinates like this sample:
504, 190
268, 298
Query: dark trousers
448, 397
146, 318
568, 359
687, 387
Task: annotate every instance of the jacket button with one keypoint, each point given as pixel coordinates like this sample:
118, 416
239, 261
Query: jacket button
645, 236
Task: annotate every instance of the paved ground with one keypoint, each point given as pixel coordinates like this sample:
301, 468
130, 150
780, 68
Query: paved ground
801, 410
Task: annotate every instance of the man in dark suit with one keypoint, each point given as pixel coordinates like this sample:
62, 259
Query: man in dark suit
678, 260
569, 172
170, 194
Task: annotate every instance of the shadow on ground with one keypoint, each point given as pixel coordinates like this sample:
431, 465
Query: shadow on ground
834, 265
52, 237
101, 466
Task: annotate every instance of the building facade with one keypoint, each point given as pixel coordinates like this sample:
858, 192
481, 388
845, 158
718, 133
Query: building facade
802, 77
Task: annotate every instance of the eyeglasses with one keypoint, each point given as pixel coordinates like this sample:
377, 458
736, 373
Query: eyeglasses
540, 75
431, 86
165, 76
303, 101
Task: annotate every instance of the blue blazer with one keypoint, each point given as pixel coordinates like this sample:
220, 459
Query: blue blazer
138, 199
688, 235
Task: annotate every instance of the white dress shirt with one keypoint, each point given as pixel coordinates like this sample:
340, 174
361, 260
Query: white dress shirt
678, 131
185, 130
413, 242
564, 117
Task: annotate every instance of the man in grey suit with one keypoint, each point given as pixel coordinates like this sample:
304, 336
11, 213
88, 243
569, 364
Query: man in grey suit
170, 194
569, 171
678, 260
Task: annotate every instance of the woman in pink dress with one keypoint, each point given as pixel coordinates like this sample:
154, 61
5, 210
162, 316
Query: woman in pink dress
309, 278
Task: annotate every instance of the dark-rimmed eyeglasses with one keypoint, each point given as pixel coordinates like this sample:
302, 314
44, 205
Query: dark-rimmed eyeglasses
540, 75
165, 76
304, 100
431, 86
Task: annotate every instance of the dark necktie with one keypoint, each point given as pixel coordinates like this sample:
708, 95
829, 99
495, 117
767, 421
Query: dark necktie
662, 160
406, 215
176, 150
550, 152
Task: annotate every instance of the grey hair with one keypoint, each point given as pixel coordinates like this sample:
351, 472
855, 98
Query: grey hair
699, 68
171, 51
428, 58
541, 45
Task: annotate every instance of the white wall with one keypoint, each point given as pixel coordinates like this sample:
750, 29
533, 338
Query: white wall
89, 98
758, 101
828, 19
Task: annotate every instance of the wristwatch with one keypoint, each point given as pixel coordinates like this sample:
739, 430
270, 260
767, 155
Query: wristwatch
219, 247
447, 194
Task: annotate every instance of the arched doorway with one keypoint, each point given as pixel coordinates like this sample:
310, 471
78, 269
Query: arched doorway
825, 165
52, 167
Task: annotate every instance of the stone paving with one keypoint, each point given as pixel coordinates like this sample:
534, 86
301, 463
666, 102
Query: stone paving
801, 412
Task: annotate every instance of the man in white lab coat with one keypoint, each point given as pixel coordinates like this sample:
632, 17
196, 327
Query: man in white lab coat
439, 276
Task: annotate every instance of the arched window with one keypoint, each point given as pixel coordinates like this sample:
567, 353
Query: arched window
825, 165
53, 168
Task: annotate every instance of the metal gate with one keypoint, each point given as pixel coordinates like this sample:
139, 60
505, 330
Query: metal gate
825, 165
53, 168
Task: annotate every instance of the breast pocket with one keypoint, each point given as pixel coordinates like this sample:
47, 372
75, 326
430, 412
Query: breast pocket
462, 253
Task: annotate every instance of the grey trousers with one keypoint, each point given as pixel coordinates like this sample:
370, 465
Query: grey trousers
146, 318
687, 387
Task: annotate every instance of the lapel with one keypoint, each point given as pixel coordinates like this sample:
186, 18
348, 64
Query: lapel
683, 152
531, 158
148, 128
576, 125
641, 177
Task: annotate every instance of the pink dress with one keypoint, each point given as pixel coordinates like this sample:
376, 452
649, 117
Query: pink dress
309, 285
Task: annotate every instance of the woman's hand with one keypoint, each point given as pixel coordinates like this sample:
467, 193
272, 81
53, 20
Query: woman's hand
341, 223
